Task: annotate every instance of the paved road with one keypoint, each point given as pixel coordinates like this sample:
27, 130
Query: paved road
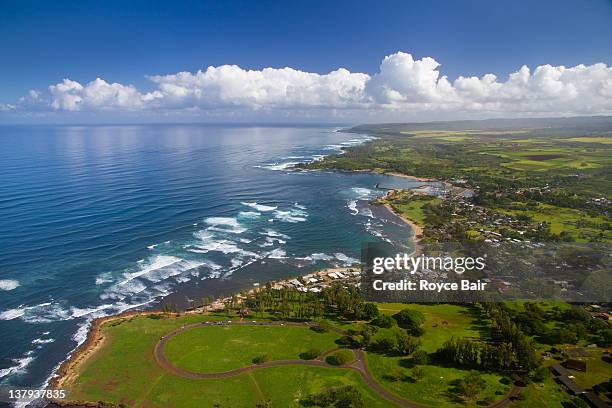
358, 365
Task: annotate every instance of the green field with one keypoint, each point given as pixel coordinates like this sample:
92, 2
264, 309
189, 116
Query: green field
413, 208
124, 371
223, 348
548, 394
598, 370
562, 170
435, 389
442, 322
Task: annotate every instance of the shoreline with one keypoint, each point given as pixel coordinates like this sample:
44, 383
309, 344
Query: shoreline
402, 175
92, 343
68, 369
416, 229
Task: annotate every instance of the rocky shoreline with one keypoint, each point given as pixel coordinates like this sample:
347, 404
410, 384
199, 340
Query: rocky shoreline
68, 369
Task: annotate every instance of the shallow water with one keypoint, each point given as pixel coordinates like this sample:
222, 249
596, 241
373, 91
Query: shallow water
99, 219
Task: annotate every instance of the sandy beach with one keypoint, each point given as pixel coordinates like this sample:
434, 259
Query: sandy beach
416, 228
408, 176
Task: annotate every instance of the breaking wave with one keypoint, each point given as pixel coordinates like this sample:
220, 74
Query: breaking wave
260, 207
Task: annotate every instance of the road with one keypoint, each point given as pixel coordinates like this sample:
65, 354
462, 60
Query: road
358, 365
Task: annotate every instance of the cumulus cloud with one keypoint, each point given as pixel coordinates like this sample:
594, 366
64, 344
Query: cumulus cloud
403, 85
98, 94
232, 86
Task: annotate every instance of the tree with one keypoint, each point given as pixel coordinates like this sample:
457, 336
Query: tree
347, 396
310, 354
262, 358
406, 344
540, 374
410, 320
368, 312
384, 342
471, 385
321, 327
419, 357
383, 321
418, 373
340, 357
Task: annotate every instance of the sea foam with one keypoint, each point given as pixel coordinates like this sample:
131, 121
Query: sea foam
8, 284
259, 207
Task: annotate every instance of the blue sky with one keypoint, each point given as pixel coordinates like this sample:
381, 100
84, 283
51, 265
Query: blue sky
123, 41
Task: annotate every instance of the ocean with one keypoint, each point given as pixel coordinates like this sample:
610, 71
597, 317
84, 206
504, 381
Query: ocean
95, 220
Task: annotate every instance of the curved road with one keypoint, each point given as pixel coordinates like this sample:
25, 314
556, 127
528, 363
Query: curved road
358, 365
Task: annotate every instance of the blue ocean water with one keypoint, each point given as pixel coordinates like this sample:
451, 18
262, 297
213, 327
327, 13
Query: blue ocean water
95, 220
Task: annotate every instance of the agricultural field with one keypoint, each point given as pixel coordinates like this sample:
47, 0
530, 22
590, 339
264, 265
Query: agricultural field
553, 181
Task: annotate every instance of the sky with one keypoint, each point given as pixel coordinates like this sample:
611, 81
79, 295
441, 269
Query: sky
304, 61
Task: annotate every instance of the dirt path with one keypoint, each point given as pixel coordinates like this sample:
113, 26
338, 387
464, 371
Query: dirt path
358, 365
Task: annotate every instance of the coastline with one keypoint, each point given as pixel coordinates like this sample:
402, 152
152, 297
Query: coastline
395, 174
68, 370
416, 229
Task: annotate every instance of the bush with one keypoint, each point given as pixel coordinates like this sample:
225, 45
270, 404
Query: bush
262, 358
369, 312
321, 327
419, 357
416, 331
384, 342
383, 321
418, 373
310, 354
471, 385
347, 396
410, 320
340, 357
540, 374
406, 344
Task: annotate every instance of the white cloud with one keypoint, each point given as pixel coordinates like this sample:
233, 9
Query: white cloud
232, 86
403, 87
98, 94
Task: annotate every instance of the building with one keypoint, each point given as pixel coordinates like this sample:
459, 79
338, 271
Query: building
594, 401
558, 370
576, 365
570, 385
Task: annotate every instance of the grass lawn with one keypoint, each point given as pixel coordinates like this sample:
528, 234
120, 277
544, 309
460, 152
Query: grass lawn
223, 348
545, 395
436, 387
283, 386
442, 322
414, 208
598, 370
124, 371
